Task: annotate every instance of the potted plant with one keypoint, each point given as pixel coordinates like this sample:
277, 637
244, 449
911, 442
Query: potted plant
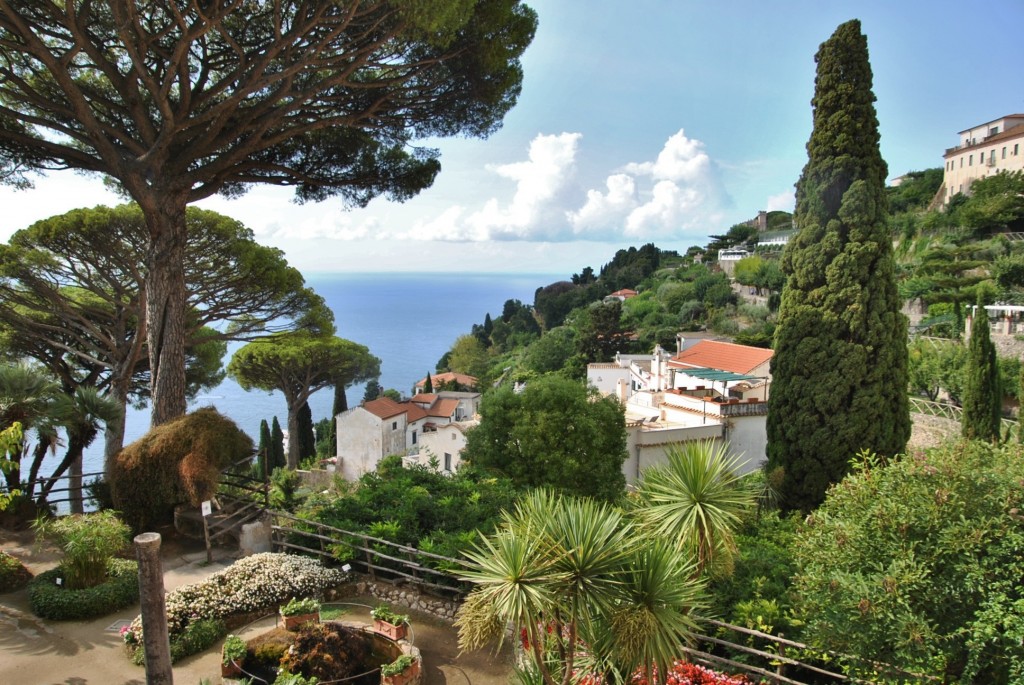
232, 654
299, 611
400, 671
388, 623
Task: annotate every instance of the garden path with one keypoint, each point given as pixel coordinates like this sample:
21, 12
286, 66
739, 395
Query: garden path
38, 652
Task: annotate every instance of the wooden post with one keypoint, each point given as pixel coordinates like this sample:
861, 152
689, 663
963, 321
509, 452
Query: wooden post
156, 643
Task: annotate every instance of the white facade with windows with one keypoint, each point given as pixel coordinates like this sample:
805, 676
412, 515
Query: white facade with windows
987, 149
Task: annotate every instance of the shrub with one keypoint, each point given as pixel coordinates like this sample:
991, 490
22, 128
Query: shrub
397, 666
198, 636
61, 603
918, 564
177, 462
89, 541
255, 583
13, 574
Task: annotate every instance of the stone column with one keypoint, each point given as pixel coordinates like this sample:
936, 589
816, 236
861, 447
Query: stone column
155, 640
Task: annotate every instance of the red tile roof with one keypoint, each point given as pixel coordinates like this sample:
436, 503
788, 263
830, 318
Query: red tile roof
424, 398
414, 412
724, 356
443, 408
438, 378
625, 292
384, 407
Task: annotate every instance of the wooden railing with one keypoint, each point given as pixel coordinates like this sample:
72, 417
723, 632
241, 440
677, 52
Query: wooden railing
919, 405
42, 492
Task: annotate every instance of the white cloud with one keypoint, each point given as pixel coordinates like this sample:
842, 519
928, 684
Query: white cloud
784, 201
679, 192
329, 225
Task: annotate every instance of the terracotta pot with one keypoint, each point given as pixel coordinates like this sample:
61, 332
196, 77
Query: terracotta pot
232, 669
390, 630
404, 677
293, 622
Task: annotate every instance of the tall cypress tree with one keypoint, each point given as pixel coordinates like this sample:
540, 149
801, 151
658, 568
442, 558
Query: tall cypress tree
263, 452
983, 395
428, 385
277, 446
306, 436
839, 373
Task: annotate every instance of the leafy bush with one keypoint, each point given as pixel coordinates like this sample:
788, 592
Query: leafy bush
397, 666
383, 612
13, 574
89, 541
177, 462
255, 583
198, 636
918, 564
233, 649
61, 603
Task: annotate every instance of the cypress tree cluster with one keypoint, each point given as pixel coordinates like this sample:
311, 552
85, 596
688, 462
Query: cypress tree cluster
839, 373
983, 395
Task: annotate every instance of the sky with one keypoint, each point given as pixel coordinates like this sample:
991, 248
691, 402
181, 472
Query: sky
661, 121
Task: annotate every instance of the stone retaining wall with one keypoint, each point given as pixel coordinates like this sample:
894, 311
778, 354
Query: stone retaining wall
399, 596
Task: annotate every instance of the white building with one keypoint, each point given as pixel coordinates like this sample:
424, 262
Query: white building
382, 427
709, 390
984, 150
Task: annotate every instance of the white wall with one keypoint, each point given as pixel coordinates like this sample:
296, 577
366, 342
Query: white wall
446, 439
360, 444
748, 440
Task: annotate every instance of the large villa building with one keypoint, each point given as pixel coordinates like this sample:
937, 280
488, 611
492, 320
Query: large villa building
984, 150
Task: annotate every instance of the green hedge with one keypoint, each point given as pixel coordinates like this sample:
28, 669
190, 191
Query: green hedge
58, 603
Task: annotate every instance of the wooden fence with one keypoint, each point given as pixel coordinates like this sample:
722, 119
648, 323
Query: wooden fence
61, 494
919, 405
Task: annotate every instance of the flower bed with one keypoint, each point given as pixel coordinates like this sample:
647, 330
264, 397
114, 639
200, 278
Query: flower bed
682, 673
59, 603
255, 583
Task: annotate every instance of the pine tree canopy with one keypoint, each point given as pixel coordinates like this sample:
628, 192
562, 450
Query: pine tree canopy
839, 373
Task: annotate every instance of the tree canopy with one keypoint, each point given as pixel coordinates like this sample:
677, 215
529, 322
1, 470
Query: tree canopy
179, 101
298, 364
839, 372
554, 433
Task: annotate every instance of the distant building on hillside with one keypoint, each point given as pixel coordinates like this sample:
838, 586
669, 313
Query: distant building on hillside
620, 295
708, 390
984, 150
727, 259
448, 378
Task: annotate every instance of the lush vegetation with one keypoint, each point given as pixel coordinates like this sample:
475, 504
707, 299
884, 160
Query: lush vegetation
52, 600
13, 574
89, 542
918, 564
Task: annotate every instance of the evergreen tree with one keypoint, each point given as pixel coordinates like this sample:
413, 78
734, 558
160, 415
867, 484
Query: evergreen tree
839, 373
264, 449
306, 437
339, 406
277, 446
982, 392
373, 390
428, 386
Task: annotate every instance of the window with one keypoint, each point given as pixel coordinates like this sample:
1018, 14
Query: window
394, 425
414, 437
453, 436
970, 160
1015, 146
961, 162
447, 461
1004, 152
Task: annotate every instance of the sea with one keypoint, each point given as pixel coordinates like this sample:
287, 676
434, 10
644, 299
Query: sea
407, 320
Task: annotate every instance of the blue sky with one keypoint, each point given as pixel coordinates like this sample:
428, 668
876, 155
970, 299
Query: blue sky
652, 121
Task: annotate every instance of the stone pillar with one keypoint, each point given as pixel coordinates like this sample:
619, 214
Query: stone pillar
155, 640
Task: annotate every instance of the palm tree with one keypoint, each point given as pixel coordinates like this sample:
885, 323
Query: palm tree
582, 586
696, 500
27, 397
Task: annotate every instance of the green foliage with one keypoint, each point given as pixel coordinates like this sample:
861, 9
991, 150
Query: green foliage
918, 564
264, 451
297, 607
13, 574
468, 356
89, 542
306, 437
234, 649
175, 463
840, 365
936, 367
61, 603
383, 612
279, 459
983, 395
996, 203
197, 637
285, 489
397, 666
916, 191
555, 433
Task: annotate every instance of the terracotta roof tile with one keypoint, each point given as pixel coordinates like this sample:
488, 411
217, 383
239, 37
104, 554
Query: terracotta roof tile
414, 412
384, 407
427, 398
438, 378
724, 356
443, 408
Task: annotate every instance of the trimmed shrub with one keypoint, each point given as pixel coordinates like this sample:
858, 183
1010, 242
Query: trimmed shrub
177, 462
255, 583
13, 574
198, 636
61, 603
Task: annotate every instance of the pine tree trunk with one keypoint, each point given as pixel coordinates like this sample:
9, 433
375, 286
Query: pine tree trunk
165, 307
